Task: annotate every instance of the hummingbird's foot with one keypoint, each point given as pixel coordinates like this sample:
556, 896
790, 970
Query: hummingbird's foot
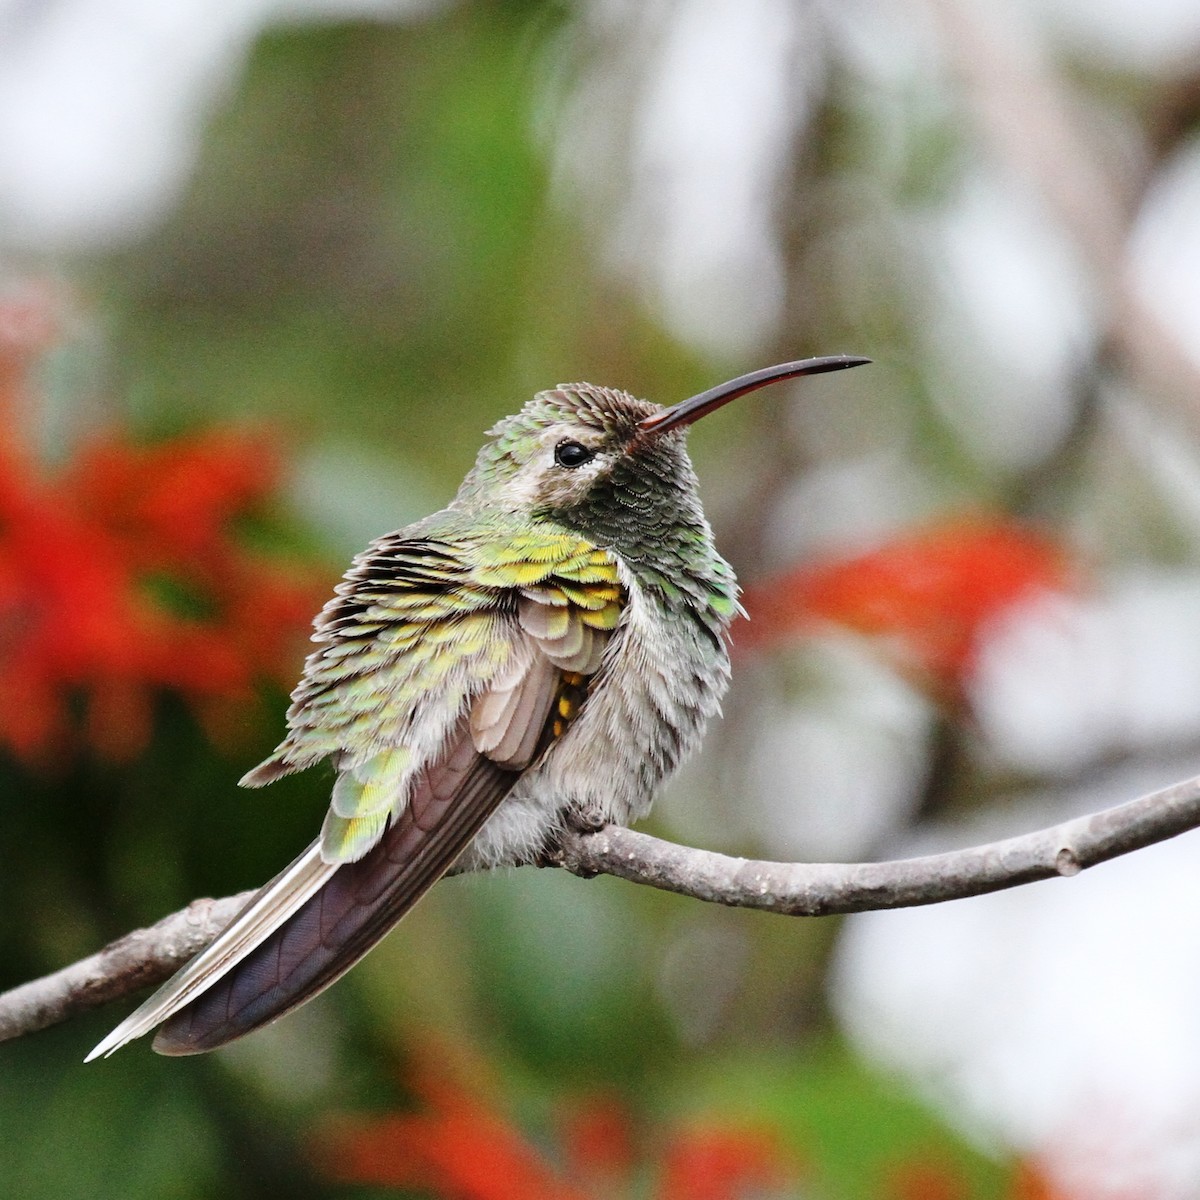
550, 855
579, 821
586, 819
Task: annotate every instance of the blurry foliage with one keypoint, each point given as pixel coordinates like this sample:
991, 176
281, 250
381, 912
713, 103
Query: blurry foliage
381, 257
818, 1125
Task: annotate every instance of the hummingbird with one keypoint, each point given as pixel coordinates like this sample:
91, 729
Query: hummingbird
541, 654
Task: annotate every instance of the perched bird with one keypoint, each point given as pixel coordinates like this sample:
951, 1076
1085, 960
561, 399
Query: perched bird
545, 651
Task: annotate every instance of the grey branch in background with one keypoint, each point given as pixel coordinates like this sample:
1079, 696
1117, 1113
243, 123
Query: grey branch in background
147, 956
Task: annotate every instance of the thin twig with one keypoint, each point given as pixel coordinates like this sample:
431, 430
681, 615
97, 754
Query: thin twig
139, 959
821, 889
148, 956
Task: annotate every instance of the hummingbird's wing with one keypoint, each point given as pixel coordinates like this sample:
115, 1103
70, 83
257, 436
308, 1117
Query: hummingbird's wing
429, 623
449, 663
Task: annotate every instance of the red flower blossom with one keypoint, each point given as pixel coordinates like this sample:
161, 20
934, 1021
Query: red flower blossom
455, 1145
598, 1144
927, 597
459, 1148
723, 1163
123, 577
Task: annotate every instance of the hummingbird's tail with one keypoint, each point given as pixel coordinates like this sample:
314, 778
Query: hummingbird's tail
316, 920
267, 911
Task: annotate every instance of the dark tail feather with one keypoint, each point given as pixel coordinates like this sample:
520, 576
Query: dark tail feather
353, 911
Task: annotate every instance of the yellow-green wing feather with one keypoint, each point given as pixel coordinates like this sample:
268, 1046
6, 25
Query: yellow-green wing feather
441, 619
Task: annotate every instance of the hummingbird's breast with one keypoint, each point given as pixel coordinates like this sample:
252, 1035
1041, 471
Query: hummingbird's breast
662, 678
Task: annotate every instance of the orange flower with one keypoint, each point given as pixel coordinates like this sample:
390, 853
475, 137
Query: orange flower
457, 1146
125, 577
927, 597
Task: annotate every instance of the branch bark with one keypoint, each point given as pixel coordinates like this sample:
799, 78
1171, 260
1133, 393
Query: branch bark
148, 956
137, 960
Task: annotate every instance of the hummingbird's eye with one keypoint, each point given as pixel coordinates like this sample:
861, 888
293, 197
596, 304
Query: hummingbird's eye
572, 454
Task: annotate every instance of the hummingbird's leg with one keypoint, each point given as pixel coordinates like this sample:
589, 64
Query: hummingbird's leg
585, 819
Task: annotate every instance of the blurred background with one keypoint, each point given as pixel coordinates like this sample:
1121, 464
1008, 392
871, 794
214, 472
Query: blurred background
268, 270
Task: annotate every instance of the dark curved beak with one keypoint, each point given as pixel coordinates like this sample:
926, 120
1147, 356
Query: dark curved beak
699, 406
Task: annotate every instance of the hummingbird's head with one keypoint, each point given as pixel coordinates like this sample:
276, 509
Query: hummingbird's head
601, 459
565, 447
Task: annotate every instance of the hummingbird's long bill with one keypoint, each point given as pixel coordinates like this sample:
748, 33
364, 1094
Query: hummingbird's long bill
687, 411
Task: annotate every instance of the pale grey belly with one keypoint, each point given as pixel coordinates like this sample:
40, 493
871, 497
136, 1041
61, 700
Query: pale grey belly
645, 715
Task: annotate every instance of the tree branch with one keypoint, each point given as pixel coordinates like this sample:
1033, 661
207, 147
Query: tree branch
147, 956
822, 889
137, 960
